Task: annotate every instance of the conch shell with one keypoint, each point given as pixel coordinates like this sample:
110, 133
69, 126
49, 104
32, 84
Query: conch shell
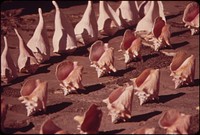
8, 68
64, 39
90, 121
191, 17
48, 127
34, 95
146, 23
4, 108
108, 22
131, 45
175, 122
39, 43
159, 37
144, 131
119, 103
69, 74
86, 30
101, 57
146, 85
127, 12
182, 68
27, 62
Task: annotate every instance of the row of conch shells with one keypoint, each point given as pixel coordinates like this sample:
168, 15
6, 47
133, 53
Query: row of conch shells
101, 57
191, 17
69, 74
27, 62
175, 122
4, 108
34, 95
146, 85
119, 103
90, 122
39, 43
131, 45
49, 127
8, 68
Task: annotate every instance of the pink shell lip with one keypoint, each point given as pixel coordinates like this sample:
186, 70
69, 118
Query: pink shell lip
115, 94
159, 23
190, 12
96, 50
141, 78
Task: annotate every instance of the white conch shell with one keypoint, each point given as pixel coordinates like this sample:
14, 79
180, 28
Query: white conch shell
8, 69
144, 130
119, 103
26, 62
127, 12
131, 45
86, 30
175, 122
191, 17
182, 69
34, 95
39, 43
146, 23
146, 85
64, 39
143, 8
101, 57
90, 121
4, 108
69, 74
108, 22
48, 127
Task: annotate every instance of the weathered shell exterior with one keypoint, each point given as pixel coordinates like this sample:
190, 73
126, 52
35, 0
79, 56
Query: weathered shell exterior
69, 74
8, 68
34, 95
119, 103
146, 85
175, 122
101, 57
39, 43
86, 30
90, 122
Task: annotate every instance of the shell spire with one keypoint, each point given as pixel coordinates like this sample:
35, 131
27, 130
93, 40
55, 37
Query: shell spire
86, 30
8, 68
64, 39
39, 43
27, 62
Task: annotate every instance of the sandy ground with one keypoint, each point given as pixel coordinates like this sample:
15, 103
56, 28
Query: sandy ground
62, 109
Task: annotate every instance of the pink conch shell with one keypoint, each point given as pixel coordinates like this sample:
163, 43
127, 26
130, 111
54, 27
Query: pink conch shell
108, 22
191, 17
146, 23
131, 45
119, 103
159, 37
26, 62
4, 108
144, 130
87, 30
175, 122
34, 95
64, 39
48, 127
39, 43
127, 12
69, 74
146, 85
8, 69
90, 121
101, 57
182, 69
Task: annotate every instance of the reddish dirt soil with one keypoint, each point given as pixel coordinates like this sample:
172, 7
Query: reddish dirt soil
62, 109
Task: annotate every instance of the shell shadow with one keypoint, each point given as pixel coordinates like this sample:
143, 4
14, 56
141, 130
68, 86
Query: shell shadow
91, 88
115, 131
149, 56
57, 107
181, 44
57, 59
144, 117
173, 16
21, 129
121, 72
178, 33
166, 98
195, 83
